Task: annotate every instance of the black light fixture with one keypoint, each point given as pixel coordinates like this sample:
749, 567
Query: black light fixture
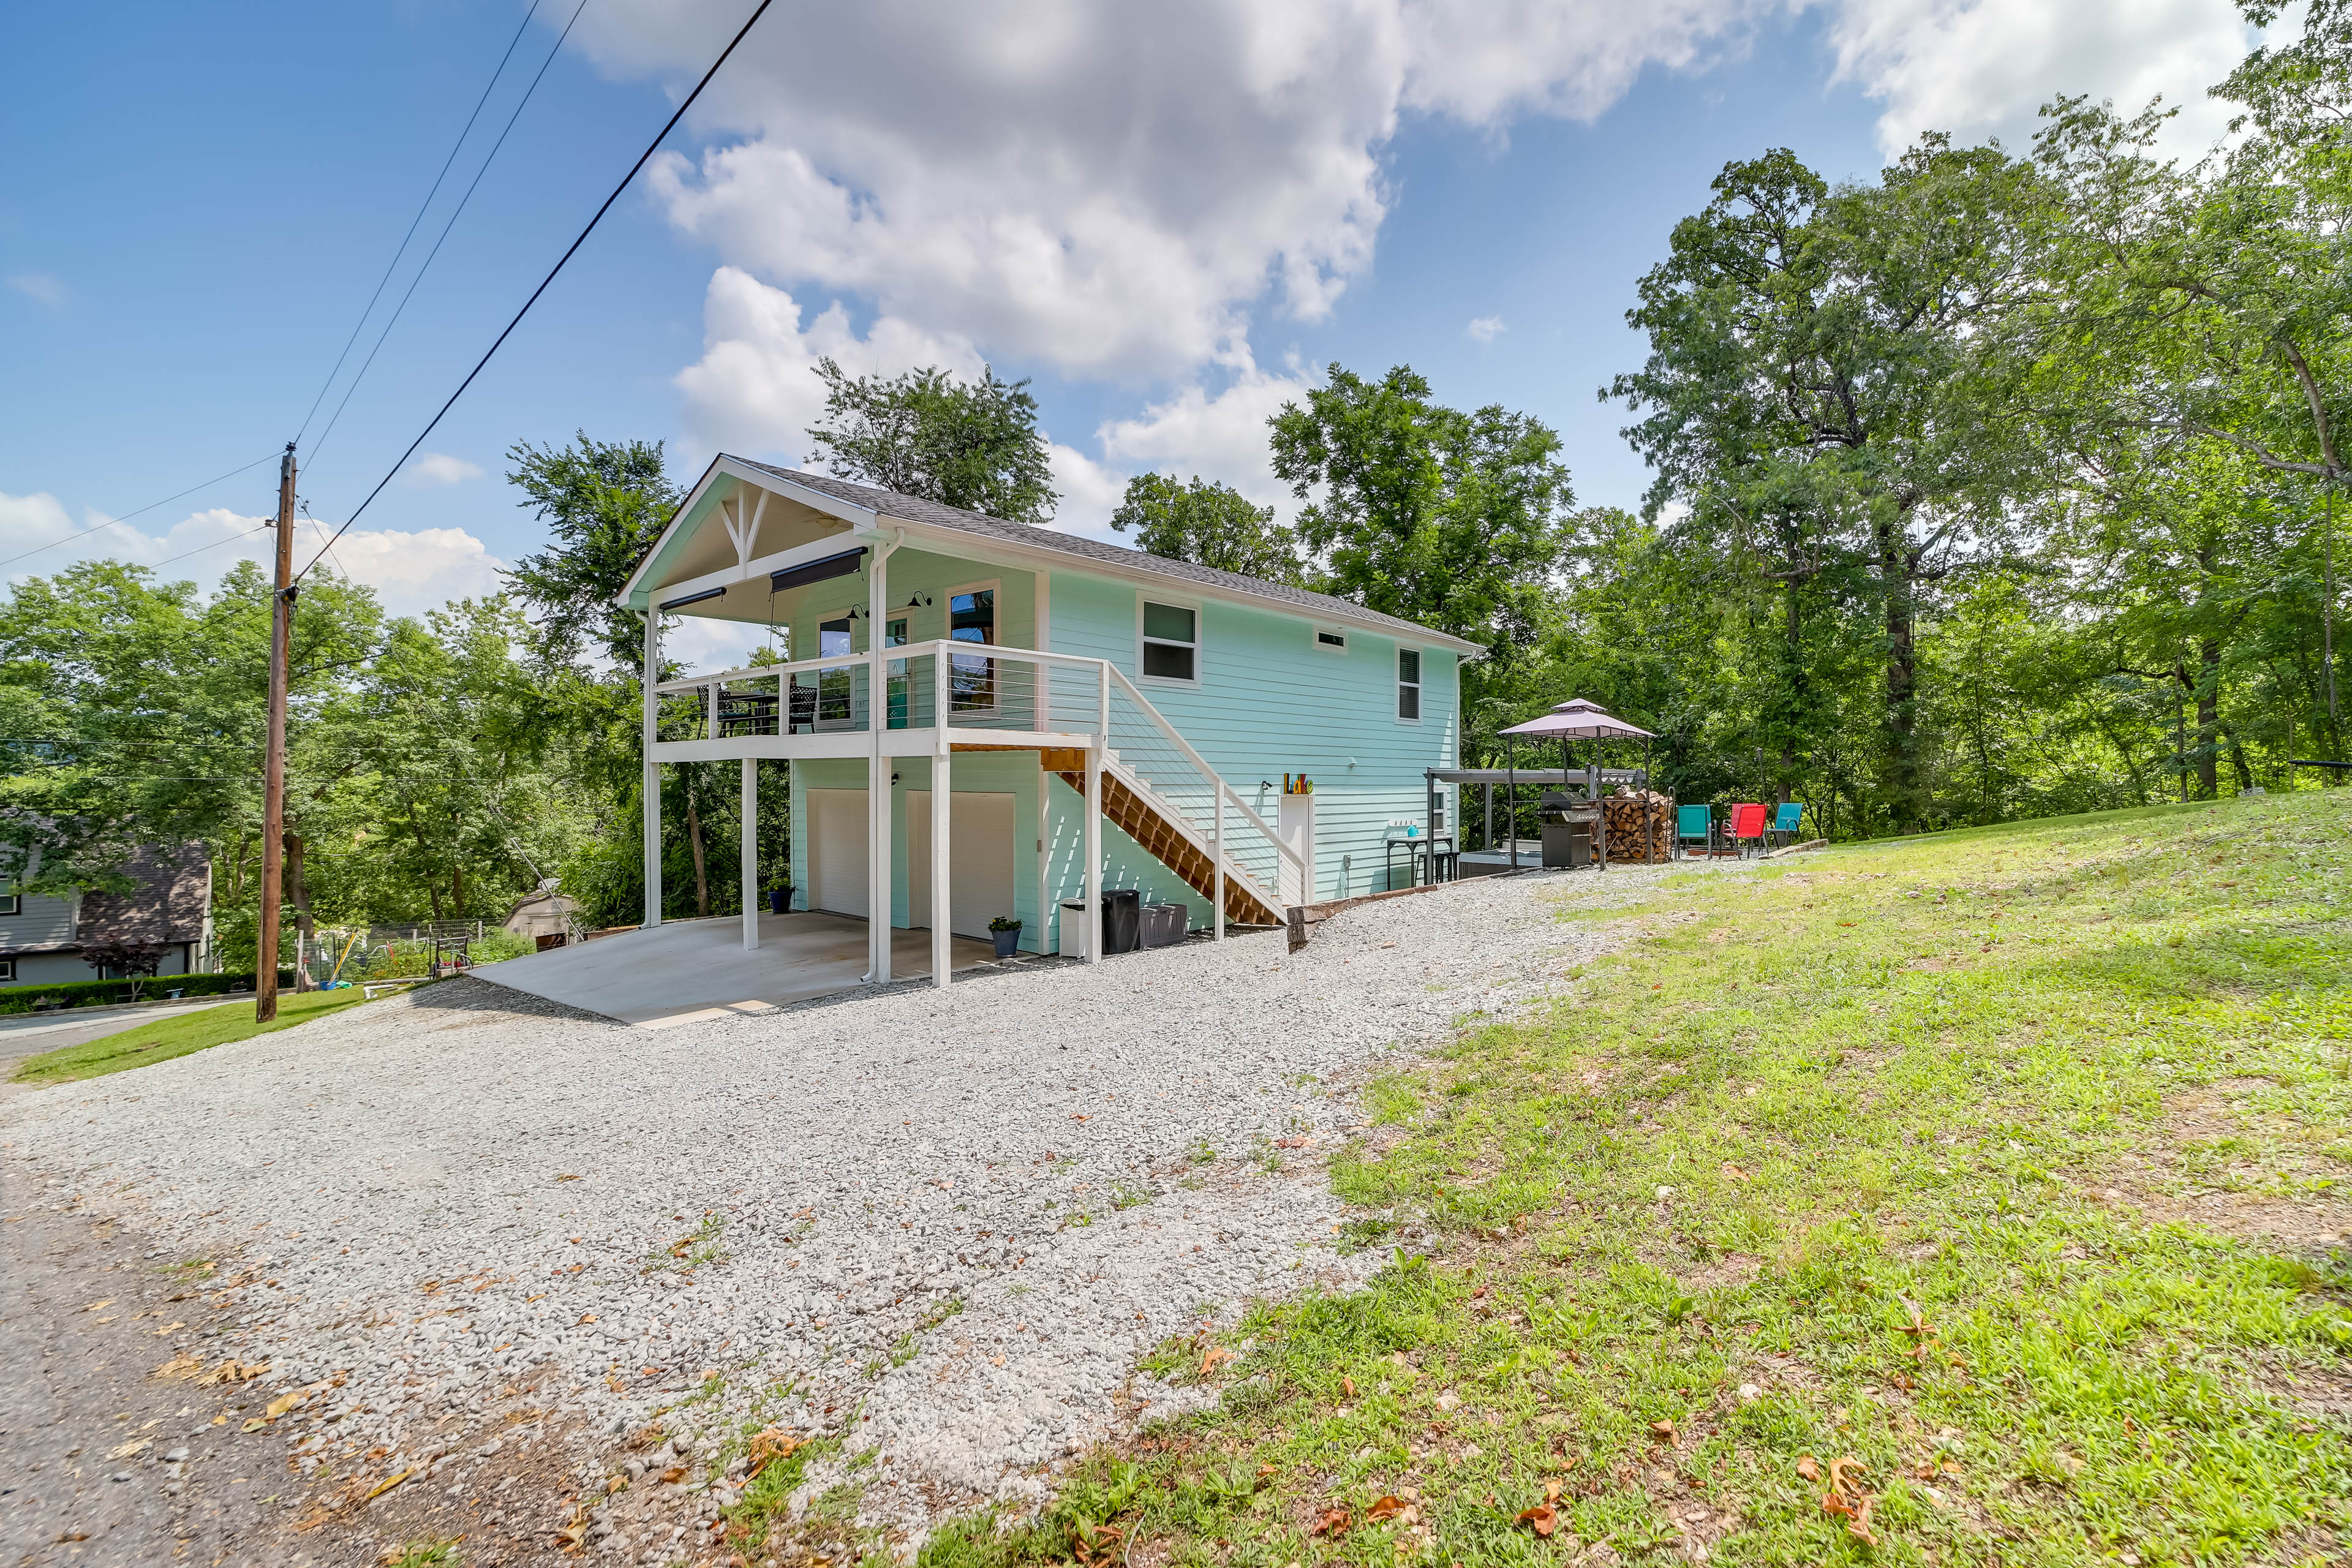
919, 602
855, 614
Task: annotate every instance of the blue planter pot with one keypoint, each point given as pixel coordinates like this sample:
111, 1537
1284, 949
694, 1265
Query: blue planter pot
780, 900
1008, 942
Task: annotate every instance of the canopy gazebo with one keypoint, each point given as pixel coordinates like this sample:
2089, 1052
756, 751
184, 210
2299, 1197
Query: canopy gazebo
1579, 719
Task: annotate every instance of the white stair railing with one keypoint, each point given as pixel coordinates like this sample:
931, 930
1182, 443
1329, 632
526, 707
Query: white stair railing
1152, 753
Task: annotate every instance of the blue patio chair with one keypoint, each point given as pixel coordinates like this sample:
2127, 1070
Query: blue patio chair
1785, 820
1693, 824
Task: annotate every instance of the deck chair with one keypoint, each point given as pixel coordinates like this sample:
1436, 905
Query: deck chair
1785, 820
1693, 824
1747, 823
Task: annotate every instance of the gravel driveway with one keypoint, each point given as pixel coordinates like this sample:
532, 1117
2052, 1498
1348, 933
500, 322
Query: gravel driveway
940, 1225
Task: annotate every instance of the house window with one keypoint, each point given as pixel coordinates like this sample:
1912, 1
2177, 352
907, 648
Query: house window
1171, 642
836, 688
971, 681
1409, 686
1330, 642
12, 904
7, 970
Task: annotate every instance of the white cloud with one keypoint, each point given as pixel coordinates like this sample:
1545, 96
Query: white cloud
1485, 329
1121, 191
40, 288
410, 571
441, 468
755, 391
1983, 67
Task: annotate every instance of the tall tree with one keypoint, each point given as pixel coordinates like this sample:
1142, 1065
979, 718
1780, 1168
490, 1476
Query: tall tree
1208, 524
1457, 520
1842, 333
969, 443
603, 503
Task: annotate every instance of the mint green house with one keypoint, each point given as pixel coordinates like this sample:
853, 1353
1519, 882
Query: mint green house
995, 720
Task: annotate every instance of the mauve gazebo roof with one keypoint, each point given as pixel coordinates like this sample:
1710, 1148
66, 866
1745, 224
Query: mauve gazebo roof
1579, 719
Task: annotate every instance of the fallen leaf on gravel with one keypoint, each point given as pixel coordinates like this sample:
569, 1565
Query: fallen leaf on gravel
72, 1535
587, 1316
179, 1366
674, 1475
1075, 1117
1663, 1430
1334, 1523
1299, 1143
255, 1425
1542, 1520
1552, 1489
567, 1176
234, 1370
770, 1446
285, 1401
94, 1306
124, 1450
1385, 1507
386, 1484
1214, 1357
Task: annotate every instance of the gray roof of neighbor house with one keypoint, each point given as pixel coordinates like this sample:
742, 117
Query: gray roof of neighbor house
915, 509
172, 888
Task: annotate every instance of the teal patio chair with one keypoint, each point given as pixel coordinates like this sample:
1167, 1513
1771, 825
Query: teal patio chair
1694, 823
1786, 820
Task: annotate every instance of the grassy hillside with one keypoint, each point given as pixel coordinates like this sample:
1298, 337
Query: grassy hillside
1973, 1199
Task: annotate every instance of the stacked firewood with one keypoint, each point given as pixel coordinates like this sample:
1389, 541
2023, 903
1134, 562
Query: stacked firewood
1641, 828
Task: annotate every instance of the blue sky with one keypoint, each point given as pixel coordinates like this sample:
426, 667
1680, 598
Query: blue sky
1169, 219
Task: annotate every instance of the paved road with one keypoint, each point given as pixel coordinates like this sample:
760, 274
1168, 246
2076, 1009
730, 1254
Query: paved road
77, 1392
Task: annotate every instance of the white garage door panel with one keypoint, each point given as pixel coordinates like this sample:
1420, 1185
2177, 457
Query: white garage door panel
979, 860
837, 851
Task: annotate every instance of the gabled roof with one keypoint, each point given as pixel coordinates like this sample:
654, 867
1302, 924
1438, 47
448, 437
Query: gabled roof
1117, 558
171, 890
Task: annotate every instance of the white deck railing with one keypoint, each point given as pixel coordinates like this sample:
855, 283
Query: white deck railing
1042, 698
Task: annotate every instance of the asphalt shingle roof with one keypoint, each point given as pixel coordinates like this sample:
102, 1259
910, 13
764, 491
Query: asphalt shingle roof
915, 509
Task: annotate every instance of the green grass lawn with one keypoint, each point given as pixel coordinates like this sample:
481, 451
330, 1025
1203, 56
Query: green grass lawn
177, 1034
1971, 1199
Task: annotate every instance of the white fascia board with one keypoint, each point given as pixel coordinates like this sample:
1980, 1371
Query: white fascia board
818, 500
982, 548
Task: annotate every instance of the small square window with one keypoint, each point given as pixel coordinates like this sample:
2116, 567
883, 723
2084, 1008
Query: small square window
1171, 642
12, 904
7, 968
1409, 685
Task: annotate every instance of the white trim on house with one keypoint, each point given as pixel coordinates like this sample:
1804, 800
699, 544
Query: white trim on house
1189, 605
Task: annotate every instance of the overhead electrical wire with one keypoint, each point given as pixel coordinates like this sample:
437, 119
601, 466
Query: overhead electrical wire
126, 516
455, 213
643, 158
394, 265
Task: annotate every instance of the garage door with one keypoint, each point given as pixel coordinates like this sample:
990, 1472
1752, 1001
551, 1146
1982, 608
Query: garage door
837, 857
979, 860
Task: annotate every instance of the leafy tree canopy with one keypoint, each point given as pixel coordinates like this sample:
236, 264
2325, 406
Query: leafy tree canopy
1209, 524
605, 502
968, 444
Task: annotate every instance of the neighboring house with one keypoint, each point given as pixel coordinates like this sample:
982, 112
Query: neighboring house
1092, 694
42, 935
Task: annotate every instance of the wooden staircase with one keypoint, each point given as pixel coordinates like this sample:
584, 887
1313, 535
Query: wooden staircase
1173, 843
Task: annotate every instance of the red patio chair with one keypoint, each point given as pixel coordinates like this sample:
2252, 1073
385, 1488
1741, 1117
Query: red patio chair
1747, 823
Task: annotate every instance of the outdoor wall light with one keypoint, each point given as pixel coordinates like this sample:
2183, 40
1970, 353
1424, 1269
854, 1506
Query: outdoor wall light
919, 602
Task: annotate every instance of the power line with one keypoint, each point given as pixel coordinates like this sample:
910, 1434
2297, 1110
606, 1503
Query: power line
216, 543
643, 158
126, 516
455, 214
394, 264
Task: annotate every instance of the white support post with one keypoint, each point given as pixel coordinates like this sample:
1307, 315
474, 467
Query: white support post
878, 778
710, 713
940, 783
1096, 755
652, 791
751, 854
1217, 852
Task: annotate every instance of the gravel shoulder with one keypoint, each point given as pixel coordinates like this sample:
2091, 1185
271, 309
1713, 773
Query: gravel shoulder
486, 1239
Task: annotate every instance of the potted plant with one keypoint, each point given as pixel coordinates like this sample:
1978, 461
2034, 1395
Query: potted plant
1007, 933
779, 897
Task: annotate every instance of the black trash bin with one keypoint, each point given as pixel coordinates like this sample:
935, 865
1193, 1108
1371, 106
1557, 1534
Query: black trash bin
1122, 918
1164, 924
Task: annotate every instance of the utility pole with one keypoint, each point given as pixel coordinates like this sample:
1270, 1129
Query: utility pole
273, 787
